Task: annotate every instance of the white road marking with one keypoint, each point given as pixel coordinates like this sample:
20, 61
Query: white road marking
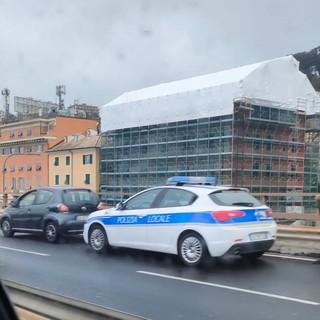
289, 257
276, 296
25, 251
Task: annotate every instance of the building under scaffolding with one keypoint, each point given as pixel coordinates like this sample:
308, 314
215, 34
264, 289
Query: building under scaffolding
224, 125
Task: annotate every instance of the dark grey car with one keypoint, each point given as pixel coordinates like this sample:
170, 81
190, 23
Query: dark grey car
51, 211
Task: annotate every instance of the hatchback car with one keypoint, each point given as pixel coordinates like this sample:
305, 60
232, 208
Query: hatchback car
189, 217
51, 211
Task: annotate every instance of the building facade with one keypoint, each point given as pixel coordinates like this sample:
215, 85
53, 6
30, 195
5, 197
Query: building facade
75, 161
24, 146
245, 126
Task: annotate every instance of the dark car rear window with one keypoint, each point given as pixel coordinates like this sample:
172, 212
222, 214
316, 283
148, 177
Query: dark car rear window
234, 198
74, 197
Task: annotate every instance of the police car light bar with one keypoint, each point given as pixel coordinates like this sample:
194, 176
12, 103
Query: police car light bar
181, 180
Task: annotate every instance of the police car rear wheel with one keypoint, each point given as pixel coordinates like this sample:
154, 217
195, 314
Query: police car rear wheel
192, 249
98, 239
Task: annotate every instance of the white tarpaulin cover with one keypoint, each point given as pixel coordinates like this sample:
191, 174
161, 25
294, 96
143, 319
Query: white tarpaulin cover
209, 95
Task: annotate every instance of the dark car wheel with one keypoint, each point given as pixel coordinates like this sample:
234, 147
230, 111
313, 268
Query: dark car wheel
6, 228
252, 255
51, 232
98, 239
192, 249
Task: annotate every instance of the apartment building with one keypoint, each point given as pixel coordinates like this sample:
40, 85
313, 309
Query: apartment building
75, 161
24, 146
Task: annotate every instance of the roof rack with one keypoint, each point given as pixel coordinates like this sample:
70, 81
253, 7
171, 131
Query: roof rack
182, 180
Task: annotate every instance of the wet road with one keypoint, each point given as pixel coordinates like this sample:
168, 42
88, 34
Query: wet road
158, 286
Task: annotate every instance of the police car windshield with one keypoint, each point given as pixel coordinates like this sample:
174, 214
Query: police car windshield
234, 198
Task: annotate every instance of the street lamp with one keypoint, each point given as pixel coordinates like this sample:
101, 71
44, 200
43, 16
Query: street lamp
4, 170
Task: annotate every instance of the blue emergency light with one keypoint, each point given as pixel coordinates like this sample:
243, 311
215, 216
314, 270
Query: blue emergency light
181, 180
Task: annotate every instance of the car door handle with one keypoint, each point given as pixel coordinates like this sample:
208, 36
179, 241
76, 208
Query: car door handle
28, 211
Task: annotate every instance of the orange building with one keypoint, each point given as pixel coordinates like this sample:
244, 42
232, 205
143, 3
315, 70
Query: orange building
24, 145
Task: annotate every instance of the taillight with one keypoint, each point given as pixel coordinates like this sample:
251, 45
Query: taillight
269, 212
100, 206
62, 208
223, 216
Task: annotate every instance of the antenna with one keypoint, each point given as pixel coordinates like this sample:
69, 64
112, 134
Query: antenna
6, 101
60, 90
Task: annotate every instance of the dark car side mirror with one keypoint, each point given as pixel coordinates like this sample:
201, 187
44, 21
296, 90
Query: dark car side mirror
7, 311
14, 204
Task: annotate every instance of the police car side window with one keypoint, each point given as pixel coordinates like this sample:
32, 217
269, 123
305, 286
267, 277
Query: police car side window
177, 198
142, 201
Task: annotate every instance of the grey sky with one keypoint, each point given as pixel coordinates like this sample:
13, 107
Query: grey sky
102, 48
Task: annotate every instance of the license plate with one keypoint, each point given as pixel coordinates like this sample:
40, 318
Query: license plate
258, 236
81, 218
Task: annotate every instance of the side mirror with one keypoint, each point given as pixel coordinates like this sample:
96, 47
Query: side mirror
120, 206
14, 204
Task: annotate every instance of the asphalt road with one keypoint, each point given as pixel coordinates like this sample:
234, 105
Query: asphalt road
158, 286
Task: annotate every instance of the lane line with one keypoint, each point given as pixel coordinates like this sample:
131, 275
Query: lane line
25, 251
276, 296
289, 257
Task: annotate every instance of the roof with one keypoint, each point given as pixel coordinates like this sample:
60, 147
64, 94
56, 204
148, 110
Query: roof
84, 143
209, 95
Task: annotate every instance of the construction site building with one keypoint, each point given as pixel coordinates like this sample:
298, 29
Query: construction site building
246, 126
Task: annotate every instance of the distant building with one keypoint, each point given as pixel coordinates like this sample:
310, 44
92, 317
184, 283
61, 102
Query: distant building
75, 161
24, 146
245, 126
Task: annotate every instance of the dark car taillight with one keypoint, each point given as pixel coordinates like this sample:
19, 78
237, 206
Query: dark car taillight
100, 206
62, 207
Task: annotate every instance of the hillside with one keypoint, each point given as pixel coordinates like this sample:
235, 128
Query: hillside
310, 65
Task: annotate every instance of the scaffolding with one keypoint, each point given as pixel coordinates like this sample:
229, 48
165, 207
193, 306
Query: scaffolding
260, 146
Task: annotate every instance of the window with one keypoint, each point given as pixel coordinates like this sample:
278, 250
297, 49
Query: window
43, 196
20, 132
177, 198
13, 183
29, 167
255, 169
87, 159
67, 160
87, 178
56, 179
11, 168
11, 134
21, 183
56, 161
38, 181
234, 197
143, 201
29, 131
28, 199
20, 168
38, 148
67, 181
29, 183
38, 167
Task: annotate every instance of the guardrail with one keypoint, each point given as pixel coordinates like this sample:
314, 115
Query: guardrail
33, 303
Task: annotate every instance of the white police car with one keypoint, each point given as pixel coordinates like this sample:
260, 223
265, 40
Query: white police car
188, 217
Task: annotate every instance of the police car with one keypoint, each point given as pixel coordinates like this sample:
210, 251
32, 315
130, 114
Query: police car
189, 217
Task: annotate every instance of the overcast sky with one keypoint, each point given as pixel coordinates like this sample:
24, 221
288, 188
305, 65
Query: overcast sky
100, 49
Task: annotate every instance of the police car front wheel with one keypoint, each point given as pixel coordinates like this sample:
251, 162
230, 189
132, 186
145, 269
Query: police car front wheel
98, 239
192, 249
